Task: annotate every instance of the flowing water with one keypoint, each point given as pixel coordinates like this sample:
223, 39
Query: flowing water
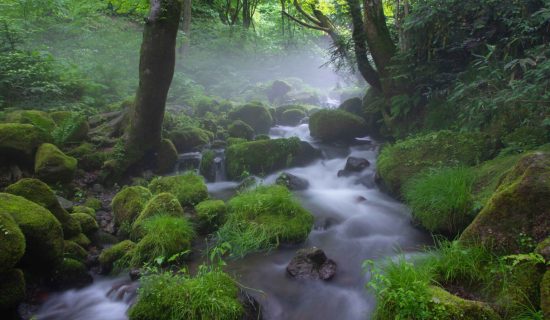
354, 221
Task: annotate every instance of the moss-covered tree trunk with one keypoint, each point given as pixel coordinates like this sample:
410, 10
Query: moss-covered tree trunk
378, 36
156, 69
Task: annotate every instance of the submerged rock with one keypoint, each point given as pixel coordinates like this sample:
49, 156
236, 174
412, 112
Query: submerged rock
292, 182
311, 263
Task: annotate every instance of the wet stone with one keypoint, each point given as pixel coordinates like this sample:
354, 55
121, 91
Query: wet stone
292, 182
311, 264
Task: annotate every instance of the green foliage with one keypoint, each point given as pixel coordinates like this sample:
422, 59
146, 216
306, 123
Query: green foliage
441, 199
188, 188
212, 295
211, 214
263, 218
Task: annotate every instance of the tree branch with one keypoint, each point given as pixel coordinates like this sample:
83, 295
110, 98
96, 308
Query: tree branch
305, 24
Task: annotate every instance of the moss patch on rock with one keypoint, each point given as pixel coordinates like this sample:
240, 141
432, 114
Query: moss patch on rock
71, 273
88, 156
454, 307
111, 255
82, 240
335, 125
166, 157
12, 290
43, 233
74, 251
12, 242
400, 161
87, 223
128, 204
545, 295
521, 205
239, 129
83, 209
188, 138
255, 115
52, 165
41, 194
20, 141
263, 218
292, 117
188, 188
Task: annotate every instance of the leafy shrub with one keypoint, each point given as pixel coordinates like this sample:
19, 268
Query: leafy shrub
441, 199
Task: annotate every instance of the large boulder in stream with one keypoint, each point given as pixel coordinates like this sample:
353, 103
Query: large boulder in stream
292, 182
255, 115
353, 105
354, 164
266, 156
311, 263
336, 125
520, 205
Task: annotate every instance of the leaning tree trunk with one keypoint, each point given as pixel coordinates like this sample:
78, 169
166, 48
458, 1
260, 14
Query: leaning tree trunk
156, 69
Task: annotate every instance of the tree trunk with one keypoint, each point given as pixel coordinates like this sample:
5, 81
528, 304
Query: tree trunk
247, 17
186, 27
156, 69
378, 36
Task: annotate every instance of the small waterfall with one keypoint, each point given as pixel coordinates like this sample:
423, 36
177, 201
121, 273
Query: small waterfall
188, 161
219, 166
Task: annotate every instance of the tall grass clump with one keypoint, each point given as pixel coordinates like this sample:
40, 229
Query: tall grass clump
165, 236
441, 199
262, 218
212, 295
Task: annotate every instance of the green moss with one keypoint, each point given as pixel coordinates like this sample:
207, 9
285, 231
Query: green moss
188, 138
74, 251
87, 223
454, 307
71, 273
82, 240
212, 295
83, 209
12, 290
525, 138
545, 295
441, 199
166, 157
12, 242
161, 204
262, 137
399, 162
207, 167
353, 105
292, 117
109, 256
278, 112
488, 176
239, 129
260, 157
93, 203
52, 165
128, 203
211, 214
165, 236
255, 115
233, 141
37, 118
43, 233
520, 287
334, 125
263, 218
520, 205
41, 194
188, 188
88, 156
20, 141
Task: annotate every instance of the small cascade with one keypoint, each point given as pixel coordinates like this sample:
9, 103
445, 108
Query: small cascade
188, 161
219, 166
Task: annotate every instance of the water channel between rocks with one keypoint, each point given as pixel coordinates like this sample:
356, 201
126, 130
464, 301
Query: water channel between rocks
354, 221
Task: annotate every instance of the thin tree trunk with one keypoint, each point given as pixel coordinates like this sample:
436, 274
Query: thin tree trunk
156, 69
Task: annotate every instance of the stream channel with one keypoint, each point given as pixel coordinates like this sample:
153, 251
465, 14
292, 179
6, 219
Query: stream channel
354, 221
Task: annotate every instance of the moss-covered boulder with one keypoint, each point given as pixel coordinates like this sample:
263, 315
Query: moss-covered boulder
88, 156
166, 157
543, 248
87, 223
166, 296
37, 118
267, 156
20, 141
263, 218
74, 251
207, 167
82, 240
239, 129
545, 295
400, 161
12, 289
521, 205
255, 115
352, 105
189, 138
292, 117
93, 203
457, 308
277, 90
278, 112
41, 194
128, 204
52, 165
12, 242
336, 125
188, 188
43, 233
83, 209
211, 215
161, 204
521, 286
71, 273
111, 255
